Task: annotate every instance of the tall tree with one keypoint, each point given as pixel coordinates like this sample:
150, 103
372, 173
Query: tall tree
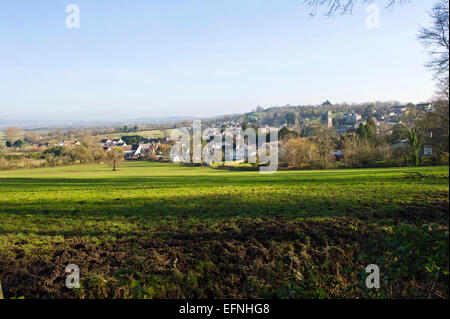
115, 157
325, 139
290, 118
436, 40
367, 131
12, 133
415, 122
416, 144
285, 134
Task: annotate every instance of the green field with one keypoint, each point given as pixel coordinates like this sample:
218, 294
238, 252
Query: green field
146, 134
154, 230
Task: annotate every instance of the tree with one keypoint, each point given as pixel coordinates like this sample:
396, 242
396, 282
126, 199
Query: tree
13, 133
358, 152
285, 134
132, 139
88, 141
417, 129
115, 157
31, 137
56, 151
290, 118
399, 132
350, 148
325, 141
367, 131
99, 155
438, 122
18, 144
80, 153
416, 144
300, 153
436, 39
342, 6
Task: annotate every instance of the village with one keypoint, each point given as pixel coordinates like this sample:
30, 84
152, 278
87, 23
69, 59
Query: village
328, 126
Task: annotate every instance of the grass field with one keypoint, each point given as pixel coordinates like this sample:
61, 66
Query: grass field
146, 134
156, 230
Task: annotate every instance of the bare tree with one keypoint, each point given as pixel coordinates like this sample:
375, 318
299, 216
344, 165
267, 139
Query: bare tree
436, 39
13, 133
438, 121
31, 137
300, 153
342, 6
115, 157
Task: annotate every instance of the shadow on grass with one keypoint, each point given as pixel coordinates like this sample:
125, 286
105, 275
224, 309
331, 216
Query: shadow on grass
182, 181
141, 215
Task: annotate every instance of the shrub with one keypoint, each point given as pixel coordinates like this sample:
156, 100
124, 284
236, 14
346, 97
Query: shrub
300, 153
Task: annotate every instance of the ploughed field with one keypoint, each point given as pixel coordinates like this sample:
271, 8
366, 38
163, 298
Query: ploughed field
153, 230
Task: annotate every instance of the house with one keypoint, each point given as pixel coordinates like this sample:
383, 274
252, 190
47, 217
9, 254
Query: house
427, 150
337, 154
402, 143
151, 148
134, 153
399, 110
427, 107
105, 141
352, 117
118, 142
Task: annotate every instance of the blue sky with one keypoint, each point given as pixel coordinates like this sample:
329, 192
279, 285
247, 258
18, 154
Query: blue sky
145, 58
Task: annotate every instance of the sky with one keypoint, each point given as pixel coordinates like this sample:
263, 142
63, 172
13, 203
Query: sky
201, 58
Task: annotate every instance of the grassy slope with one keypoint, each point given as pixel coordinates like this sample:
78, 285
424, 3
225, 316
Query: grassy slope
147, 134
160, 230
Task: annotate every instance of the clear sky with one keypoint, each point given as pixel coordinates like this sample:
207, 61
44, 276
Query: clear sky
146, 58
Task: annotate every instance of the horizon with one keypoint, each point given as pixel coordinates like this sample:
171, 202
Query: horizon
64, 122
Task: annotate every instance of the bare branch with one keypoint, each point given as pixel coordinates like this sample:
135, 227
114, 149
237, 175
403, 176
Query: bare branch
343, 6
436, 39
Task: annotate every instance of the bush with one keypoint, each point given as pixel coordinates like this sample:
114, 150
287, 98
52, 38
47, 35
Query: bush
300, 153
56, 150
429, 160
